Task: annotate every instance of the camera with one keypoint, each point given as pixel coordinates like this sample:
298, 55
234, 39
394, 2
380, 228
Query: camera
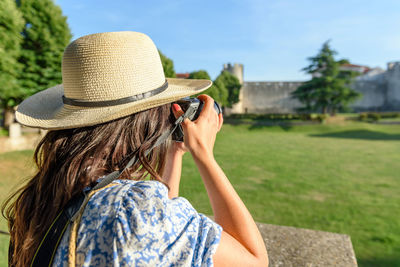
193, 107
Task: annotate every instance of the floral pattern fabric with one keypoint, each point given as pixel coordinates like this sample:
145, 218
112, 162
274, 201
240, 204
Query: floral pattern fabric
134, 223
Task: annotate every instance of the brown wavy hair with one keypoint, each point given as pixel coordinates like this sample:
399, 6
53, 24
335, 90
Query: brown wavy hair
70, 160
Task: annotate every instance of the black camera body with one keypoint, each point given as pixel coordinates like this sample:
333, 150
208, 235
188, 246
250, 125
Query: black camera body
193, 107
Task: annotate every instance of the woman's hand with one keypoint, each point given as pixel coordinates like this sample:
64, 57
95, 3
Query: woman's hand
199, 135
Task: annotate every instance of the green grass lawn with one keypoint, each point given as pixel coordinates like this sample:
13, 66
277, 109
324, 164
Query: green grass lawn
343, 179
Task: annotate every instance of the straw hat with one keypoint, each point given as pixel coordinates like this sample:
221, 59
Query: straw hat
105, 76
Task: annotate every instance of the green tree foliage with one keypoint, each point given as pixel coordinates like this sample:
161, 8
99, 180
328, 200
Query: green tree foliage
168, 66
217, 91
232, 85
11, 24
45, 36
200, 74
328, 90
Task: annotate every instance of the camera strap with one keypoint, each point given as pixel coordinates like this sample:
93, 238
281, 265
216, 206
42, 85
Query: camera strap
44, 254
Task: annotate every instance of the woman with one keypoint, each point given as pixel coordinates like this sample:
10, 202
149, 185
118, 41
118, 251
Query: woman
113, 117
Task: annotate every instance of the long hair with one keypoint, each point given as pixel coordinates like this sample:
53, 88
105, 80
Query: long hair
70, 160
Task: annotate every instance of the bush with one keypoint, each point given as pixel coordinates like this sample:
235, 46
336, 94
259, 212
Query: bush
376, 116
390, 115
363, 116
281, 117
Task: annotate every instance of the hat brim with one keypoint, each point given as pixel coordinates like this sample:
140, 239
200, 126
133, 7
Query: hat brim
46, 109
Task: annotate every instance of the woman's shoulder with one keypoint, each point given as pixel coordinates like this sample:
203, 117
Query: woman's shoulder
142, 189
145, 189
148, 196
139, 196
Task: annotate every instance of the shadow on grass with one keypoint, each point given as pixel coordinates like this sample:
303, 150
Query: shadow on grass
361, 134
378, 262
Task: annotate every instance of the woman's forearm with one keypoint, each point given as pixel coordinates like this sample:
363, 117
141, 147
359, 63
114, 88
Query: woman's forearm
229, 210
172, 172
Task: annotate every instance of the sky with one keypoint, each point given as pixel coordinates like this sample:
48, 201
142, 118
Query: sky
271, 38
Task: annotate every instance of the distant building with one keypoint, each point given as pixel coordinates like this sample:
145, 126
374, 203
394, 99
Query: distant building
357, 68
183, 75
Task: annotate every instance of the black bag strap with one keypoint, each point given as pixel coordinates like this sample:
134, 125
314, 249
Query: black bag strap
45, 253
48, 246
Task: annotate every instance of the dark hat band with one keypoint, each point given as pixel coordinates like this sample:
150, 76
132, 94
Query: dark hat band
115, 102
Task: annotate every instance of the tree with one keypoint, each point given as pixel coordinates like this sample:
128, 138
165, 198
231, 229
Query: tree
44, 38
11, 24
328, 90
168, 66
217, 91
200, 74
232, 85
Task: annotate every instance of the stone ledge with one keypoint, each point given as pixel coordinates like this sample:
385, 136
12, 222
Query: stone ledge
296, 247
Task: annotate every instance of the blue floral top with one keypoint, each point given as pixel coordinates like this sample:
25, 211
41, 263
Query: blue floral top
136, 224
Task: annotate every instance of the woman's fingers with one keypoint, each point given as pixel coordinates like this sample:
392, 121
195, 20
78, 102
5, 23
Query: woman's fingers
178, 146
177, 110
208, 114
208, 106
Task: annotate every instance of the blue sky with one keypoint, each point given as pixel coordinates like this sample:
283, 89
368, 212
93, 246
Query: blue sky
272, 38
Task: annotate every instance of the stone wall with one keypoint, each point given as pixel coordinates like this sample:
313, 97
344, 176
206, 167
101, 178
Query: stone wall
392, 77
20, 138
269, 97
373, 96
380, 91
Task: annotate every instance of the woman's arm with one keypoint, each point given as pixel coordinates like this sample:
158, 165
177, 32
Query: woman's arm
241, 243
173, 168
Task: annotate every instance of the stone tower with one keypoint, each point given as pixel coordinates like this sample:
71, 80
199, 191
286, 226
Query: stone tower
236, 69
393, 85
